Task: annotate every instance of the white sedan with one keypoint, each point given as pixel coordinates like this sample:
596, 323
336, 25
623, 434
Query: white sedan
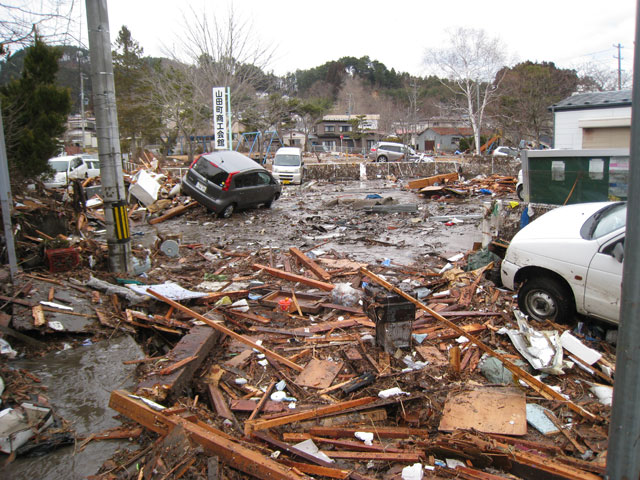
569, 260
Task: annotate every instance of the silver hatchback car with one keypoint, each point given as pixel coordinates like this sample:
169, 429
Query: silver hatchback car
226, 181
391, 151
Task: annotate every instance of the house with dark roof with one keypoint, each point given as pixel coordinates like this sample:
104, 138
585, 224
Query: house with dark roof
593, 120
442, 139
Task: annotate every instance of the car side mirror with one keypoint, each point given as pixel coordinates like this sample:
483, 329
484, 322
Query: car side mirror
618, 252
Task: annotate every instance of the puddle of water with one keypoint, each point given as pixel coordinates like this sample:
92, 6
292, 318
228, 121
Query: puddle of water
79, 383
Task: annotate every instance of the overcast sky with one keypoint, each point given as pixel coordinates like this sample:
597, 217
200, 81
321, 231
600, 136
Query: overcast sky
397, 33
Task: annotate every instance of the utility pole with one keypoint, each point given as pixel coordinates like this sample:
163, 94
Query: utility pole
619, 57
82, 104
104, 99
7, 202
623, 453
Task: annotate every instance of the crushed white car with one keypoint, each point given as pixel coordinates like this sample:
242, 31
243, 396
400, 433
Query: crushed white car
569, 260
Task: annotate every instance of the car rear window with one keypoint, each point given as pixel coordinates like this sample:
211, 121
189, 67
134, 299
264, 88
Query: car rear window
209, 171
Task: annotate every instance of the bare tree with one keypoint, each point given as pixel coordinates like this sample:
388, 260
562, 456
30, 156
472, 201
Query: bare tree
20, 18
227, 55
595, 76
471, 63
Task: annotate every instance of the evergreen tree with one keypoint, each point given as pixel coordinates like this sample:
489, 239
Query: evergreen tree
34, 112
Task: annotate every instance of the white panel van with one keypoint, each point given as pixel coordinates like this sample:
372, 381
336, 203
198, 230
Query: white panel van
288, 165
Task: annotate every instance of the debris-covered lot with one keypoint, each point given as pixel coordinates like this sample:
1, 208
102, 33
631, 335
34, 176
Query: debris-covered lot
353, 330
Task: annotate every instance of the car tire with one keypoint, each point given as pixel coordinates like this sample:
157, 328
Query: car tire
545, 298
520, 192
227, 211
382, 158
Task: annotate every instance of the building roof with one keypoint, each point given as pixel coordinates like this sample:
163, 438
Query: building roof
464, 131
580, 101
346, 118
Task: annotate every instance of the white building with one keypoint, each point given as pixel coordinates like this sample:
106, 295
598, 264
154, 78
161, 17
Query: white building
593, 120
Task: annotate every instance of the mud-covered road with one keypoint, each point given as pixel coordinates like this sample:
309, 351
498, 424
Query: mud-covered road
337, 216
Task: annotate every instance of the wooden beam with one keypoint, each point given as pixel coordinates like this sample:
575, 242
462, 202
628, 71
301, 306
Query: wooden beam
189, 353
540, 387
173, 212
426, 182
382, 432
252, 426
226, 331
294, 278
317, 270
377, 456
233, 454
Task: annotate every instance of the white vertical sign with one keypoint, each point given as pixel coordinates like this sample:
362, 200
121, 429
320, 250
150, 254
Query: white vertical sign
220, 119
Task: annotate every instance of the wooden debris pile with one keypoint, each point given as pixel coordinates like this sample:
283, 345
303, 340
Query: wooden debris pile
450, 184
275, 370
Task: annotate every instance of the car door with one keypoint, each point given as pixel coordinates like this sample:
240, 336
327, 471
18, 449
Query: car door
246, 189
77, 168
604, 282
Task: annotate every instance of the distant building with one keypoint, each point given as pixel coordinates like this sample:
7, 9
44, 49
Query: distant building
74, 135
593, 120
335, 131
442, 139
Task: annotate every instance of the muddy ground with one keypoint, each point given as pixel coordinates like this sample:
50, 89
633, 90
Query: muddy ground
336, 216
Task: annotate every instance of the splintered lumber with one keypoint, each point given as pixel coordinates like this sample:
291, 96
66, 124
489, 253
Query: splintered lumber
233, 454
316, 469
381, 432
427, 182
173, 212
255, 425
377, 456
318, 271
302, 454
194, 347
292, 277
540, 387
226, 331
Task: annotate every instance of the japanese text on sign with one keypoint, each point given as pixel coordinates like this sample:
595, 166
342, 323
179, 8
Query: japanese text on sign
220, 119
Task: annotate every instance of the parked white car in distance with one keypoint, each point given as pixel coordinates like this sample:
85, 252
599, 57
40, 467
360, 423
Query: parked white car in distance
66, 168
569, 260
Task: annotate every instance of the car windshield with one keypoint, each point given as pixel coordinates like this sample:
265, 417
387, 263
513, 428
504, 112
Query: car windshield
605, 221
59, 165
210, 171
286, 160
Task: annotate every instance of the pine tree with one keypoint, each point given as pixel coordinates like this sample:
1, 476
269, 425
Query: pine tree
35, 112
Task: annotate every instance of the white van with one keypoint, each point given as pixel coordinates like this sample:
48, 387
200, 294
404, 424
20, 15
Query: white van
288, 165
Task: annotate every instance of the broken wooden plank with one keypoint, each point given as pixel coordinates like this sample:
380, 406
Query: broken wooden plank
381, 432
252, 426
318, 373
173, 212
293, 277
197, 343
377, 456
233, 454
426, 182
316, 469
534, 383
302, 454
317, 270
227, 331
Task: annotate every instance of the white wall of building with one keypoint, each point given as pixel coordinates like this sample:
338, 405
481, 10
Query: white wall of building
568, 134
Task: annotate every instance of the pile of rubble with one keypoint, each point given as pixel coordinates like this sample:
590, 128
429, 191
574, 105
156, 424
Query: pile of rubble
304, 363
